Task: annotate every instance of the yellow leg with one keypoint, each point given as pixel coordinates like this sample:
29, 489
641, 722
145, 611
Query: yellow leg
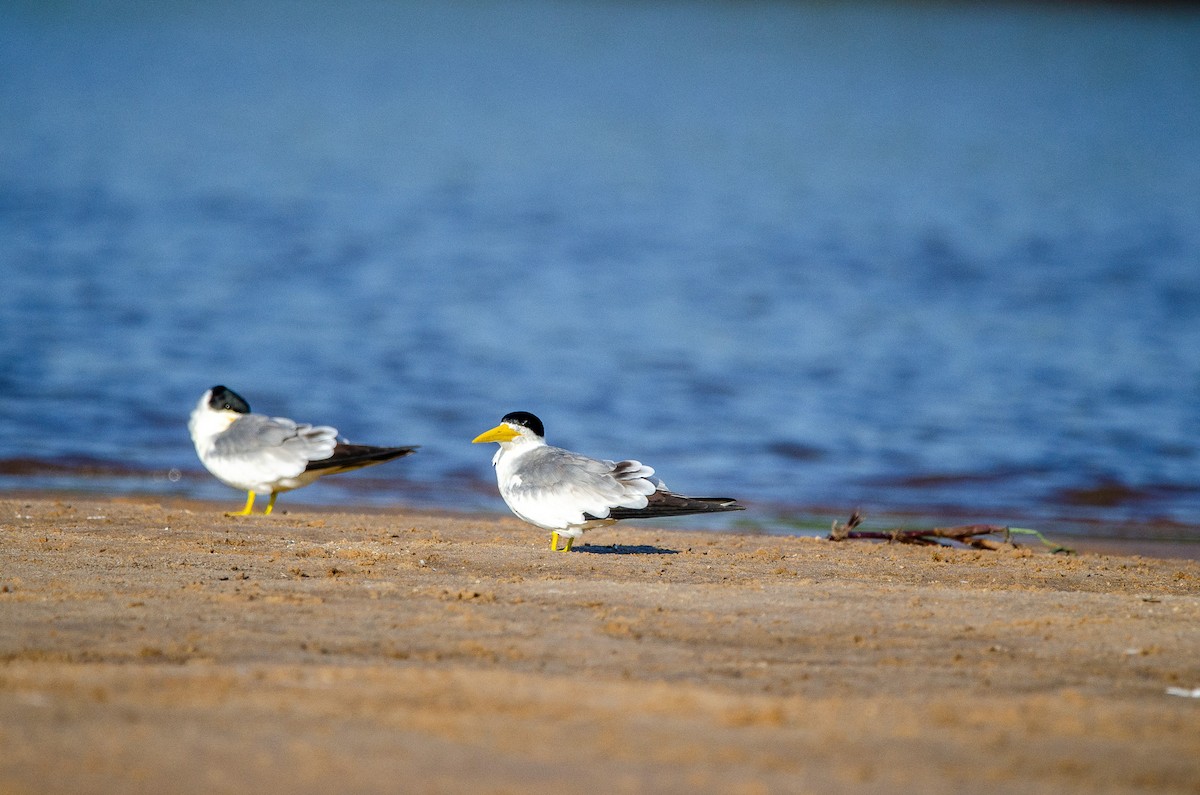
271, 504
554, 541
570, 541
249, 506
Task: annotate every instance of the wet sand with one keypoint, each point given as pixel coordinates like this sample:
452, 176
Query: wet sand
159, 646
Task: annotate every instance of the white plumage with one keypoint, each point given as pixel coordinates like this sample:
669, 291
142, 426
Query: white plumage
260, 454
556, 489
567, 493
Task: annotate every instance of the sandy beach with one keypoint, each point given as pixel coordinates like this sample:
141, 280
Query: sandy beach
159, 646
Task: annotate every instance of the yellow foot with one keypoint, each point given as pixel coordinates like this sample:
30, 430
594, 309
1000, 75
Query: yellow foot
249, 506
554, 543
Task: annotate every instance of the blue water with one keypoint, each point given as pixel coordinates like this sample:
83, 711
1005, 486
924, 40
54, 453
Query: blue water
899, 257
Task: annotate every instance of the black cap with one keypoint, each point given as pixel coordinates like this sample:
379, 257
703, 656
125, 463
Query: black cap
525, 420
225, 399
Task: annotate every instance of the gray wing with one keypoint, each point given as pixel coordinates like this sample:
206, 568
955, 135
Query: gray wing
557, 488
272, 447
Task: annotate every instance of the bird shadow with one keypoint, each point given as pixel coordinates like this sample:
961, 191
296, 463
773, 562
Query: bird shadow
625, 549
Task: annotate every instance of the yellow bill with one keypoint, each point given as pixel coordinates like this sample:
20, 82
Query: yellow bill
501, 433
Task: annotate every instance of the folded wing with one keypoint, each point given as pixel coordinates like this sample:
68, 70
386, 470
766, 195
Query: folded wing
556, 488
270, 448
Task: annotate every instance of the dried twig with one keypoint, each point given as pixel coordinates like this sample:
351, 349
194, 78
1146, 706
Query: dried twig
979, 536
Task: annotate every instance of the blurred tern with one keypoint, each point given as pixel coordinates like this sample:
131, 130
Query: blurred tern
567, 493
270, 455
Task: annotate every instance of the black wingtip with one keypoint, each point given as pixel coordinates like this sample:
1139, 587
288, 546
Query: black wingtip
666, 503
356, 456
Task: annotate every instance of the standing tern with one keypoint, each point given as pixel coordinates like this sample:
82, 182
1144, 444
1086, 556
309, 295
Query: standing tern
567, 493
262, 454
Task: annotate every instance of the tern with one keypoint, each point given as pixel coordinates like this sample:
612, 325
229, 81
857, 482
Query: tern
567, 493
270, 455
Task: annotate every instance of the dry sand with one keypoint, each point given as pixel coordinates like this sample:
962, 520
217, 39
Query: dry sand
162, 647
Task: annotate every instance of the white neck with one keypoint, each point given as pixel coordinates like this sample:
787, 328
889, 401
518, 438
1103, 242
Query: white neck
205, 425
517, 447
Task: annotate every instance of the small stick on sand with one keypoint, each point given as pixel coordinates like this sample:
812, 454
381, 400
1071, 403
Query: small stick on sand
972, 535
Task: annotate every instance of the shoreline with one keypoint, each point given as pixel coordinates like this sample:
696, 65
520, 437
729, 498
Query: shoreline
155, 645
1070, 533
